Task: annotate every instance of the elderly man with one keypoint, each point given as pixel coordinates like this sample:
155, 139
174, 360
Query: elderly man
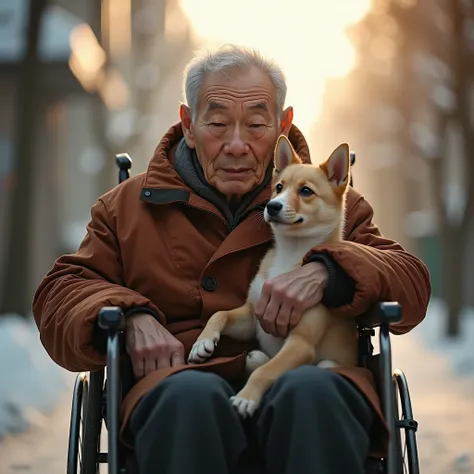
182, 241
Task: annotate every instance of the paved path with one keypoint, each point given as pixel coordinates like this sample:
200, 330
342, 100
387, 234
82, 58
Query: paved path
43, 449
443, 404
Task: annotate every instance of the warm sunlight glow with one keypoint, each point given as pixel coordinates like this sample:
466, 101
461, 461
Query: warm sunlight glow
87, 63
117, 26
87, 56
306, 37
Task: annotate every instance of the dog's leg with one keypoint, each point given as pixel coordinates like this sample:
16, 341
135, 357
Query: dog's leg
299, 349
238, 323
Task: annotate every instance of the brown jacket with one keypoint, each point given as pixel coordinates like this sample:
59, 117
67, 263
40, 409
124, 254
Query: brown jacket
154, 243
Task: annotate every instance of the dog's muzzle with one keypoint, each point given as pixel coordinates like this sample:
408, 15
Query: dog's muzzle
273, 208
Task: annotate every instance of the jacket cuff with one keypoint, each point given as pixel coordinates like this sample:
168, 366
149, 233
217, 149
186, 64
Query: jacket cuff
140, 309
340, 288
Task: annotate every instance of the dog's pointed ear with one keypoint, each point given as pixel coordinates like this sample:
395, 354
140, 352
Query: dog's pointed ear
337, 168
284, 154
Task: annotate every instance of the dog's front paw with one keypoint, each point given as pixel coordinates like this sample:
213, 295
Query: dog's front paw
247, 400
201, 351
244, 406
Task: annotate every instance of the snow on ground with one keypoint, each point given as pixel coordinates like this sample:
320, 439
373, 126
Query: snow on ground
440, 376
30, 383
459, 352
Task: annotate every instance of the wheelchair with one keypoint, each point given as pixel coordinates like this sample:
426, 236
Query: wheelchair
97, 395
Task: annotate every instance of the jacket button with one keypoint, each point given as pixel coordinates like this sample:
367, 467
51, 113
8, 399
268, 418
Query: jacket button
209, 283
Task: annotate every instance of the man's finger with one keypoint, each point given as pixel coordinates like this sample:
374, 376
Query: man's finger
295, 317
163, 360
177, 357
138, 365
262, 303
149, 365
270, 317
283, 319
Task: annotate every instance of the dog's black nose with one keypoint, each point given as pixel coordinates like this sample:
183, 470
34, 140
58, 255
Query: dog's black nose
274, 207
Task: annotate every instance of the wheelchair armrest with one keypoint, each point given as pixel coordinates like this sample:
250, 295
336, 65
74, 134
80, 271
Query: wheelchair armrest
386, 312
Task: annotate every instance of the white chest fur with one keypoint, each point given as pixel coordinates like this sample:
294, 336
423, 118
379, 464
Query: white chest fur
281, 263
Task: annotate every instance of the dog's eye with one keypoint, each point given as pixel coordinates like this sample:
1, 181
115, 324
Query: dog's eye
305, 191
279, 188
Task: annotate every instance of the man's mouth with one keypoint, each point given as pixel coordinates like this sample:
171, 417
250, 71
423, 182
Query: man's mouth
236, 170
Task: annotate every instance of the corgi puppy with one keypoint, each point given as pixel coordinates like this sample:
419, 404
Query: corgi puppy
306, 209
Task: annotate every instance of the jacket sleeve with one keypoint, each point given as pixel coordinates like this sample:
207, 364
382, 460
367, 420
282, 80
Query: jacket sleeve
68, 299
381, 269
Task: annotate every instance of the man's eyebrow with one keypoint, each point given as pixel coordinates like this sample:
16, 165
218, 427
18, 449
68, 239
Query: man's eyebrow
215, 106
259, 106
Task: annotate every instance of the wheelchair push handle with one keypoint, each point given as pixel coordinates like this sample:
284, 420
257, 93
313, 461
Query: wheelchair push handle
353, 157
124, 163
111, 319
352, 154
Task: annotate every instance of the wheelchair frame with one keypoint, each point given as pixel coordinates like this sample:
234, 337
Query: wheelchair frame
90, 397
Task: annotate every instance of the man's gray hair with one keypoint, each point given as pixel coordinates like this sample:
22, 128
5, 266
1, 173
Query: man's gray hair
225, 60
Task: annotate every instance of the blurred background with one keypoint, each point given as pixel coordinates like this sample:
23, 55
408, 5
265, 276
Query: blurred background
82, 81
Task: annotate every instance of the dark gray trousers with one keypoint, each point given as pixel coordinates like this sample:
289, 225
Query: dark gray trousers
311, 421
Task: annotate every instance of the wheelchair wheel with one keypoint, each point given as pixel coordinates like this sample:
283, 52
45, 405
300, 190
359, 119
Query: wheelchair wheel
79, 400
406, 425
92, 424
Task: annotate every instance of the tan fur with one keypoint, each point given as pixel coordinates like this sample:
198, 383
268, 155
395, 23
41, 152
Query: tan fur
320, 337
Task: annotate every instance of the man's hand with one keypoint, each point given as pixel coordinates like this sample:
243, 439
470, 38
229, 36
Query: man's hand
285, 298
150, 345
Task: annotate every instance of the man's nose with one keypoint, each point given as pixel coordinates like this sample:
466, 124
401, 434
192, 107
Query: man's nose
237, 145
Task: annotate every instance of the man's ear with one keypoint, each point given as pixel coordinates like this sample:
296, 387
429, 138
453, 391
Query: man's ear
187, 125
286, 121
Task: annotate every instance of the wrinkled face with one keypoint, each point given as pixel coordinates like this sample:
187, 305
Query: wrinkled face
235, 129
307, 200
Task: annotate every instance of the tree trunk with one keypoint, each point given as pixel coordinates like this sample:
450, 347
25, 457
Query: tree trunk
453, 251
15, 295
